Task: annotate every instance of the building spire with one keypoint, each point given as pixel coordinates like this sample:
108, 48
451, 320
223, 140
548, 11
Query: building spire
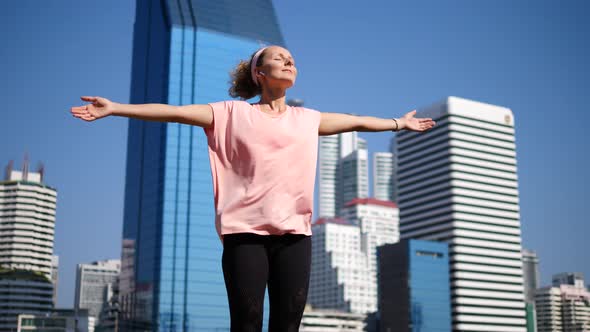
26, 167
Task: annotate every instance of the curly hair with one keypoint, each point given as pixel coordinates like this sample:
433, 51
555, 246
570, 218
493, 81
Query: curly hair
241, 82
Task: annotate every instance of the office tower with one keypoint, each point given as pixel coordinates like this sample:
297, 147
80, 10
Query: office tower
27, 220
332, 149
343, 272
182, 53
354, 178
378, 222
339, 278
361, 144
530, 272
565, 306
414, 292
94, 283
383, 176
23, 292
457, 184
54, 277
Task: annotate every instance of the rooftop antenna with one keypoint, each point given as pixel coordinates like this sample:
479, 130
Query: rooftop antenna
9, 170
26, 167
41, 170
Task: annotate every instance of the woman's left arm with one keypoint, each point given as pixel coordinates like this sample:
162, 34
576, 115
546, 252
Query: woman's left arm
335, 123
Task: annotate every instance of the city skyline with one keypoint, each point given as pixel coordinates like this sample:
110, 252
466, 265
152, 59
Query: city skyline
539, 73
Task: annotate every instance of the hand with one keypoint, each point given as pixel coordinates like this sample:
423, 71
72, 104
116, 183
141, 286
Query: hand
416, 124
99, 108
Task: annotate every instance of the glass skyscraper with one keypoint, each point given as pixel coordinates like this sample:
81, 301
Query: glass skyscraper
171, 264
414, 290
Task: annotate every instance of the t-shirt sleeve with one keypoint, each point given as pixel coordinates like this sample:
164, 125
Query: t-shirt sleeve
315, 118
221, 112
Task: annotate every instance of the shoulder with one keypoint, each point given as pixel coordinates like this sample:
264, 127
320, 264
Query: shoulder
306, 111
229, 105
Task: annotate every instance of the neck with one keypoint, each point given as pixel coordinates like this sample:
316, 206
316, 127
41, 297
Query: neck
274, 98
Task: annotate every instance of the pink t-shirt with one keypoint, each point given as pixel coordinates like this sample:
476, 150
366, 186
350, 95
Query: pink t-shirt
263, 168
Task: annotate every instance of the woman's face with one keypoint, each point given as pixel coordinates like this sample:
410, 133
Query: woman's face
278, 67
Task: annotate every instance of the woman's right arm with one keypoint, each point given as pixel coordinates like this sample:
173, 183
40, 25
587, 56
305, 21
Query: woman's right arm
197, 115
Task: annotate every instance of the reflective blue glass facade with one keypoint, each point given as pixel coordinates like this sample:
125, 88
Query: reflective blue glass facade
414, 291
171, 277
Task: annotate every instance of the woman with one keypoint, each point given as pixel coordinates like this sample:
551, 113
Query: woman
263, 159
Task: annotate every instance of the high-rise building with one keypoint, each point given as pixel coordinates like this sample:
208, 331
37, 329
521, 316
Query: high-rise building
530, 272
339, 278
361, 144
332, 149
354, 178
458, 184
182, 53
414, 292
383, 176
27, 223
378, 221
27, 220
23, 292
94, 283
565, 306
344, 269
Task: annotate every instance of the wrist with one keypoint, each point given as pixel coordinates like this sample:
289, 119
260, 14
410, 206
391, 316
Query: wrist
401, 122
398, 124
115, 109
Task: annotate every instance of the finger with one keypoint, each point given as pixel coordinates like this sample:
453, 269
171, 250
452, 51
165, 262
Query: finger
78, 111
88, 98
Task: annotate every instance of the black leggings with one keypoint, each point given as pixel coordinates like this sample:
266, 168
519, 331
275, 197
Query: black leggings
250, 261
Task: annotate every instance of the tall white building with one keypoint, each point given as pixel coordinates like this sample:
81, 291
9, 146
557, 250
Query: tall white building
354, 178
565, 306
94, 285
383, 176
344, 268
27, 221
458, 184
335, 185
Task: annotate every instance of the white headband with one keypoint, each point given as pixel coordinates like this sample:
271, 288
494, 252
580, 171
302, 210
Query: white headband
253, 64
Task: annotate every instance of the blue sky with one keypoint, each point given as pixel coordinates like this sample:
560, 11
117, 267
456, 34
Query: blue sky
381, 58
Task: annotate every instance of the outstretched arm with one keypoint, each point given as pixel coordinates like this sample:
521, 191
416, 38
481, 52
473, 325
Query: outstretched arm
335, 123
198, 115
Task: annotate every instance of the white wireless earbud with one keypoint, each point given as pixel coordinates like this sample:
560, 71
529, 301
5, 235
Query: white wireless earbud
261, 73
